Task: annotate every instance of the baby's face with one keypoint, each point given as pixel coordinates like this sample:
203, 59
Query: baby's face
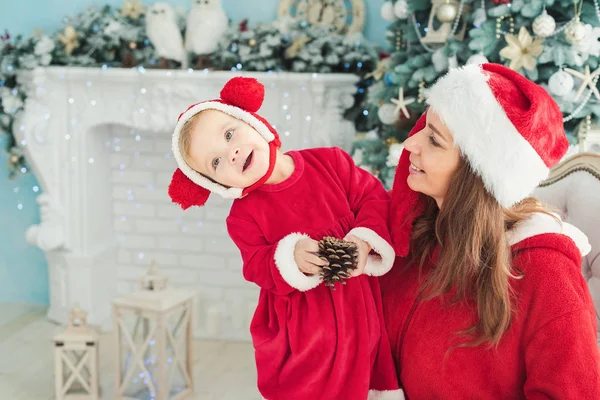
227, 150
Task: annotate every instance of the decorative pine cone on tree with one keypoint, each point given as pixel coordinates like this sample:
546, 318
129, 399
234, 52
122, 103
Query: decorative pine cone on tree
342, 257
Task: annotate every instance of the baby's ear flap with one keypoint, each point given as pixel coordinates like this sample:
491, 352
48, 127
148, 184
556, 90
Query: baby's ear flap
185, 192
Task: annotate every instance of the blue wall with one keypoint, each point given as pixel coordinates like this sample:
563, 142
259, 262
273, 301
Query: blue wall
23, 268
26, 15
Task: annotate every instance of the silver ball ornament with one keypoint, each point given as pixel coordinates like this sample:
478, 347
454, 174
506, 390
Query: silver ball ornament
560, 83
575, 33
387, 113
446, 12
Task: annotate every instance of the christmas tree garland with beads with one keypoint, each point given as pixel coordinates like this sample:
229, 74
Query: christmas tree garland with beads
116, 37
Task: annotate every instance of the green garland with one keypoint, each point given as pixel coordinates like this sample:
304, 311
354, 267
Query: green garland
108, 37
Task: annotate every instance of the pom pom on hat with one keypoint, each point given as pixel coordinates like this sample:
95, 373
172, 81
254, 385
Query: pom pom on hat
245, 93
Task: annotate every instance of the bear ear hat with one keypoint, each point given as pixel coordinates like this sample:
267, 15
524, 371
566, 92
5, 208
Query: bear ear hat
240, 98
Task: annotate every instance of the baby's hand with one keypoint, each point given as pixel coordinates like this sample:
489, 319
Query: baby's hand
363, 251
305, 255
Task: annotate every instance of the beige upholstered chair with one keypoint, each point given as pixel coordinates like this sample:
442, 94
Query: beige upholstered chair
574, 188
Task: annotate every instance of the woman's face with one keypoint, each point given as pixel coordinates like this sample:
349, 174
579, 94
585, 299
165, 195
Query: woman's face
433, 157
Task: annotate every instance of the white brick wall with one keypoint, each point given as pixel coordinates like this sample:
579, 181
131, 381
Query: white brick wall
191, 247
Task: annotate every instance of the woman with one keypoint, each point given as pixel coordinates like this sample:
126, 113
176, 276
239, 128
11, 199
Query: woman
490, 302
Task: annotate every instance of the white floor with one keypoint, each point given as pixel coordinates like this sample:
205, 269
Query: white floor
222, 370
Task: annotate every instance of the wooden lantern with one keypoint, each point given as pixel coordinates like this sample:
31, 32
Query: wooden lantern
76, 359
154, 338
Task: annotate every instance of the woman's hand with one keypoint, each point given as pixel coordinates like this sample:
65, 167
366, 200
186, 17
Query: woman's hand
305, 255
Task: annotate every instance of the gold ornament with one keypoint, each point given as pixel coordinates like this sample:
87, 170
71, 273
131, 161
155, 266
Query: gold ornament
38, 33
522, 50
296, 46
391, 140
401, 103
440, 26
446, 12
252, 42
587, 80
378, 73
69, 39
14, 159
132, 9
132, 45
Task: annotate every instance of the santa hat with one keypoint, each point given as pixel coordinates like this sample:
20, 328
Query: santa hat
508, 128
241, 98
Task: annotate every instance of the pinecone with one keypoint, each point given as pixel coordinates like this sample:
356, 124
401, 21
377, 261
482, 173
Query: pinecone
342, 257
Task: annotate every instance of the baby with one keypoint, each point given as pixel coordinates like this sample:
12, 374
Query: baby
311, 342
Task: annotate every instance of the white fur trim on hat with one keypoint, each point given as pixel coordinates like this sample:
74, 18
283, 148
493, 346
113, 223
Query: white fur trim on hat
284, 259
376, 265
508, 165
397, 394
540, 224
236, 112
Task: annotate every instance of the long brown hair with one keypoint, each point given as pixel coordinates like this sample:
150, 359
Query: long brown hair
474, 255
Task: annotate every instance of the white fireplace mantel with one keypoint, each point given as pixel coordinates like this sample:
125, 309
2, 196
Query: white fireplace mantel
67, 130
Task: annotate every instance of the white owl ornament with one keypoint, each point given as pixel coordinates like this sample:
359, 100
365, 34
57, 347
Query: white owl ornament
164, 33
206, 25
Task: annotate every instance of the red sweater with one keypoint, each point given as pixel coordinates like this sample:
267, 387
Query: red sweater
549, 352
312, 342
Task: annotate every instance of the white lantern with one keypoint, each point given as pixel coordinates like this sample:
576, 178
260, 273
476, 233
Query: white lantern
154, 338
76, 359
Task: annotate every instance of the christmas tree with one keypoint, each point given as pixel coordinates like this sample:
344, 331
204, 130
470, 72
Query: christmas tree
552, 42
